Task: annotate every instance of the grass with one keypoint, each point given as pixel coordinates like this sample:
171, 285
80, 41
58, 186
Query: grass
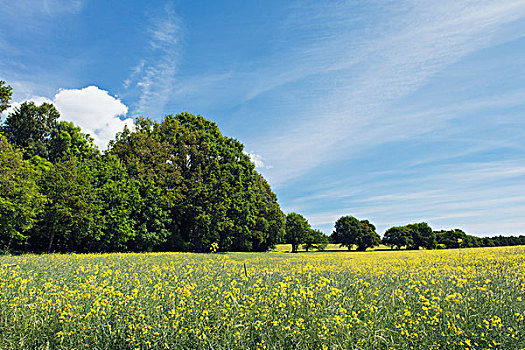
450, 299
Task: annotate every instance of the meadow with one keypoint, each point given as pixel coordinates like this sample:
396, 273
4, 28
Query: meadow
449, 299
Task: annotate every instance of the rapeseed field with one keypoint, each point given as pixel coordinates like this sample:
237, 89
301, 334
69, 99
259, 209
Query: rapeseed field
452, 299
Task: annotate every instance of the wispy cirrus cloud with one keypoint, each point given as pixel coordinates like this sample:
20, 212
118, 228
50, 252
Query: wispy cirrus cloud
153, 79
481, 198
396, 63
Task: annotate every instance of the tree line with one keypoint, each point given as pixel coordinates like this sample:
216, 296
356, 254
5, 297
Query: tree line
353, 233
175, 185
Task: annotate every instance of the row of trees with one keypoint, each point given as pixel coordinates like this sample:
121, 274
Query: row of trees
174, 185
353, 233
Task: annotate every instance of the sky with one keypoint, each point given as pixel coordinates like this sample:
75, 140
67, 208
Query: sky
392, 111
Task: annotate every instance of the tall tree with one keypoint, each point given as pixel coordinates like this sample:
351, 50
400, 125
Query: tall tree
20, 198
67, 140
297, 230
210, 187
347, 232
369, 238
29, 127
73, 220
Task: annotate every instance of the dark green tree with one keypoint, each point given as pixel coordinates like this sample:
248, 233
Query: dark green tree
350, 232
209, 186
119, 198
455, 238
73, 220
29, 127
347, 232
398, 236
422, 236
297, 230
20, 198
5, 95
369, 238
270, 220
315, 239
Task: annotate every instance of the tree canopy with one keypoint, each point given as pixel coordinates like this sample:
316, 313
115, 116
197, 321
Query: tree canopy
297, 230
350, 232
178, 184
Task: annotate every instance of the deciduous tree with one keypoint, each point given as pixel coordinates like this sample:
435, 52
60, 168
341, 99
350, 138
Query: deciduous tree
297, 230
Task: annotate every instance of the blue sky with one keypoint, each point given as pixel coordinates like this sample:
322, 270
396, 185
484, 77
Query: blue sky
393, 111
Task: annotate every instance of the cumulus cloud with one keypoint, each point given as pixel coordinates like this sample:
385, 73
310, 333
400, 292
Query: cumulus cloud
95, 111
258, 161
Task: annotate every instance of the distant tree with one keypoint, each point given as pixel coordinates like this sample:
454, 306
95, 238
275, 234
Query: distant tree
370, 238
398, 236
453, 238
473, 241
29, 127
488, 242
347, 232
422, 236
20, 198
350, 232
297, 230
315, 239
5, 95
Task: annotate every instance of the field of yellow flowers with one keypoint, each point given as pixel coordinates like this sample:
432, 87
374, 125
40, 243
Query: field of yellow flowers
451, 299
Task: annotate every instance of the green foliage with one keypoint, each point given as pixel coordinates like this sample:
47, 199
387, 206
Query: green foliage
398, 236
315, 239
119, 197
67, 140
350, 232
208, 189
20, 198
422, 236
297, 230
6, 91
29, 127
452, 239
72, 221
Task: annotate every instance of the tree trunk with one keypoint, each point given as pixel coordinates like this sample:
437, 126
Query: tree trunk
51, 241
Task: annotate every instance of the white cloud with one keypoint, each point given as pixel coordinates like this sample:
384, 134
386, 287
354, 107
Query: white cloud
95, 111
258, 161
38, 100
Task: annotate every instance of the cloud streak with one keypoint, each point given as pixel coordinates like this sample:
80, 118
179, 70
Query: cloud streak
154, 77
399, 62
